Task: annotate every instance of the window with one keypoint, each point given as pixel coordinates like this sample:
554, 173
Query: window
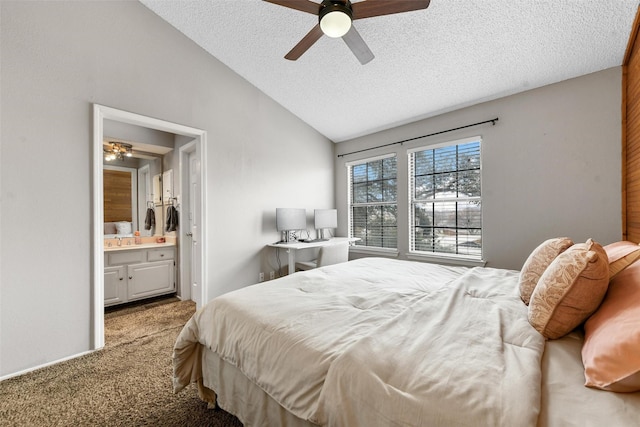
373, 208
446, 204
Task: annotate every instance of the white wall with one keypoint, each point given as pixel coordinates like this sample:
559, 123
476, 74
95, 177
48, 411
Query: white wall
58, 58
551, 166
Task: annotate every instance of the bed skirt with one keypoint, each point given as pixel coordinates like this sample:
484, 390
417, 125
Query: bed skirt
236, 394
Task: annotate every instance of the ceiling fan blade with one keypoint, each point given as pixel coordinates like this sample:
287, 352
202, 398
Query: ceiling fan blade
304, 44
358, 46
371, 8
301, 5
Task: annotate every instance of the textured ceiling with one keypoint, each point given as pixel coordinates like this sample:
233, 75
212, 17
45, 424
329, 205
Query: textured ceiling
453, 54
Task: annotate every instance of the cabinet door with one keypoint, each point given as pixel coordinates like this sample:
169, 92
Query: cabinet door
150, 278
157, 189
167, 186
114, 286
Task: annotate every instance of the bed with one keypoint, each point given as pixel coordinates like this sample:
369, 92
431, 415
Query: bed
380, 342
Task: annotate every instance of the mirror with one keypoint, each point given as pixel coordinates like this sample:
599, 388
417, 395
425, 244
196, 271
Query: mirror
130, 201
135, 194
120, 199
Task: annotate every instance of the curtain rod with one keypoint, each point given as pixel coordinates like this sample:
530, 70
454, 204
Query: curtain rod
492, 121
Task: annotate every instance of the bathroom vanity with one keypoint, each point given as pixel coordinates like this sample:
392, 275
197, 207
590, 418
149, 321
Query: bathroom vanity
134, 272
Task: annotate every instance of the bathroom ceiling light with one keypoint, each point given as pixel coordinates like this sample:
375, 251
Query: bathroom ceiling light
117, 150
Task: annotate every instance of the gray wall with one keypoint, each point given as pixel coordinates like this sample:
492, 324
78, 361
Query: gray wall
57, 59
138, 134
551, 166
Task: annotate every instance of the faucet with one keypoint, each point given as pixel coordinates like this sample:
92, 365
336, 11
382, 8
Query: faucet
119, 241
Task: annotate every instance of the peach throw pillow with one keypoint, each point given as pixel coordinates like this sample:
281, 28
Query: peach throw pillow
538, 262
611, 350
570, 290
621, 255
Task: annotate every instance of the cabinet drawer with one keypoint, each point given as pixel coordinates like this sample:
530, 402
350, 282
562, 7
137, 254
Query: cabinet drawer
124, 257
160, 254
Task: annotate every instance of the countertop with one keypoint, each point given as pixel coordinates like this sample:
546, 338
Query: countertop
126, 247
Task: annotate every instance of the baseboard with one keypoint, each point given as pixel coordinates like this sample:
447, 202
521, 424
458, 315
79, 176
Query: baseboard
35, 368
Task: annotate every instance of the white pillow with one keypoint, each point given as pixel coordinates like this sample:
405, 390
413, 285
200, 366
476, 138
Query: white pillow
123, 227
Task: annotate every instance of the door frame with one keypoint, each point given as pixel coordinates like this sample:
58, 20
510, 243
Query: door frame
185, 255
101, 113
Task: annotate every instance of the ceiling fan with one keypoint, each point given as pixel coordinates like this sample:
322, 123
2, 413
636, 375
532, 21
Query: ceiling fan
335, 18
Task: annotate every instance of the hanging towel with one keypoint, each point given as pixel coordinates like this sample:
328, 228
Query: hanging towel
172, 218
150, 219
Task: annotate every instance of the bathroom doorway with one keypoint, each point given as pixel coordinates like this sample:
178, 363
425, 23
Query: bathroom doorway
195, 152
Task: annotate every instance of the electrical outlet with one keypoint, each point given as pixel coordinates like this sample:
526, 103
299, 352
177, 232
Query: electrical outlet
261, 277
272, 275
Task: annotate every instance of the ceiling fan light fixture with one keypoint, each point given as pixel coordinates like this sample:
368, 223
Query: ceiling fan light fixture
117, 150
335, 18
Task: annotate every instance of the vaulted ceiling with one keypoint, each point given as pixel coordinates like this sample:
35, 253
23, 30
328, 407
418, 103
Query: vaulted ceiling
453, 54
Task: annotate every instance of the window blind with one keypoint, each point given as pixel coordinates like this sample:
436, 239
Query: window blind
446, 202
373, 202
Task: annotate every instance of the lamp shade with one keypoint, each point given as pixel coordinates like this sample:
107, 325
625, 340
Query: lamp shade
325, 218
291, 219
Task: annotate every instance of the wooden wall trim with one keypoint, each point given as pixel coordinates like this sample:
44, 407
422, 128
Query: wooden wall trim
632, 39
624, 153
630, 113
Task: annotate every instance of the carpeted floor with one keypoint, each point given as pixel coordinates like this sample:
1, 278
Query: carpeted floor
128, 383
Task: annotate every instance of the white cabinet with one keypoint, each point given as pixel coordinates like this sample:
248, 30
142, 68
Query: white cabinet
134, 274
150, 279
115, 290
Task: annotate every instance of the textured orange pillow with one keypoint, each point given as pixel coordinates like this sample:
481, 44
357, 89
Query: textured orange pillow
611, 350
621, 255
570, 290
538, 262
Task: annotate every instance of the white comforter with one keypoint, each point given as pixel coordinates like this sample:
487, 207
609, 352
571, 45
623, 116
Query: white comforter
379, 342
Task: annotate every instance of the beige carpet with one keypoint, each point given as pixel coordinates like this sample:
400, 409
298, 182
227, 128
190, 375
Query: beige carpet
128, 383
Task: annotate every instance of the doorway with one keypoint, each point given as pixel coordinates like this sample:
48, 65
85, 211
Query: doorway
196, 154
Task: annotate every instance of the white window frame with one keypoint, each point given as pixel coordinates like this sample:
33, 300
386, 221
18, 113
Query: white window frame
439, 256
359, 247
